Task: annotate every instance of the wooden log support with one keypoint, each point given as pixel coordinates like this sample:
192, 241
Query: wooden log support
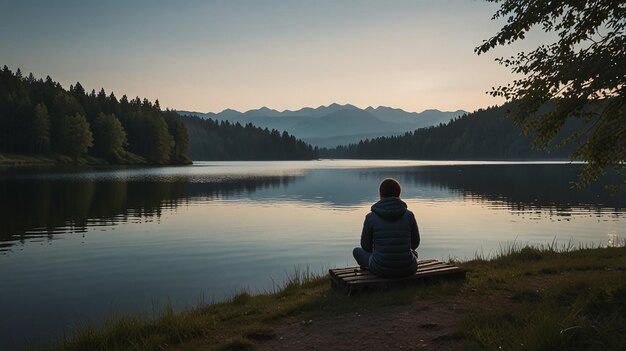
352, 279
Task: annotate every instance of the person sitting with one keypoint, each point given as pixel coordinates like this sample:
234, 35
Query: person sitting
390, 235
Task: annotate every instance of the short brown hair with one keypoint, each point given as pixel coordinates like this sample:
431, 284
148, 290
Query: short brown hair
390, 187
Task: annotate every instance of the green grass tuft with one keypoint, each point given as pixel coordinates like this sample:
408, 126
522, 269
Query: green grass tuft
241, 298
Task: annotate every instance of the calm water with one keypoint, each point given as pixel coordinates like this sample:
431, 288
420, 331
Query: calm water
78, 245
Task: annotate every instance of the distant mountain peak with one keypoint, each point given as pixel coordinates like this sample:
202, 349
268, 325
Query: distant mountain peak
266, 109
335, 105
386, 108
263, 110
230, 110
434, 110
337, 123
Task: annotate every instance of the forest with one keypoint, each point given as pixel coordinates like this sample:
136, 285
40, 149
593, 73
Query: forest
486, 134
213, 140
39, 117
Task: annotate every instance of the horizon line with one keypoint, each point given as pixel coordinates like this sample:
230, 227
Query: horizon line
320, 106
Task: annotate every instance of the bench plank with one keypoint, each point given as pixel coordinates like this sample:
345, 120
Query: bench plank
438, 272
353, 269
360, 272
351, 279
417, 275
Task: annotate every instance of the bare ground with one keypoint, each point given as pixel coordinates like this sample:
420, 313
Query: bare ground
428, 325
419, 326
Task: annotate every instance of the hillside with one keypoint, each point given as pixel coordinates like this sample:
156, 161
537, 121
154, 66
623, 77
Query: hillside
332, 125
337, 123
213, 140
484, 134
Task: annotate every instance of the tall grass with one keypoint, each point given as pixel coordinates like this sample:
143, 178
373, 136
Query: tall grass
552, 297
522, 250
581, 314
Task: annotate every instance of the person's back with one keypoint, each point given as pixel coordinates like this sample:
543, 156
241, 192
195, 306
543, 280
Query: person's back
389, 235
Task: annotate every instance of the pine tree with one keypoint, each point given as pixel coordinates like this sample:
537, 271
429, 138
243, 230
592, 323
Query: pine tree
40, 137
75, 137
109, 138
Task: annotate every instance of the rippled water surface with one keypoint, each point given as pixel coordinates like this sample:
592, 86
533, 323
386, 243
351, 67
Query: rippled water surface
77, 245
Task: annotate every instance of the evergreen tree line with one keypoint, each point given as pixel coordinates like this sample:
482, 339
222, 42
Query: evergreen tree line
213, 140
40, 117
486, 134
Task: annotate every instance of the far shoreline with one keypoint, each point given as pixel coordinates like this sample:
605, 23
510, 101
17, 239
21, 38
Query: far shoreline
53, 160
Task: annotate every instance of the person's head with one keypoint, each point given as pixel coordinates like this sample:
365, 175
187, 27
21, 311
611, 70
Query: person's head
389, 187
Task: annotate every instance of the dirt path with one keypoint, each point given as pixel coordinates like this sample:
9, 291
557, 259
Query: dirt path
417, 327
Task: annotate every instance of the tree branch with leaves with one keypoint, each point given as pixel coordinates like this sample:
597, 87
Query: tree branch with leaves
582, 75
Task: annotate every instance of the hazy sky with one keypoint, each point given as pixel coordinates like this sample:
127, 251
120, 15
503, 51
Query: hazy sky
211, 55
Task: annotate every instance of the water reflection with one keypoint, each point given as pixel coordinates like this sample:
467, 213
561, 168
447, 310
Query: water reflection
520, 186
43, 207
42, 203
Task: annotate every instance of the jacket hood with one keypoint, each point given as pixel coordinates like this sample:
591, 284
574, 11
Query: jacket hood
389, 208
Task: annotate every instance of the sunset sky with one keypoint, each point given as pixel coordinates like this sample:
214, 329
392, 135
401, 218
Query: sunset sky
208, 56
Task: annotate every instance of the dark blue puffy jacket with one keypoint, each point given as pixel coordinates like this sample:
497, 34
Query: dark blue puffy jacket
389, 233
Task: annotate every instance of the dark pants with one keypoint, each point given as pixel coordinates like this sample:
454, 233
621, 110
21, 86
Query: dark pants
361, 256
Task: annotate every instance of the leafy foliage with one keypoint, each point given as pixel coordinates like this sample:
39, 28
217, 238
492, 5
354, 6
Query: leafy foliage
582, 75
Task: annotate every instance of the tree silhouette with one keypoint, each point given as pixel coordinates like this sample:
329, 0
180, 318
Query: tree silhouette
40, 130
213, 140
109, 138
75, 137
39, 116
482, 135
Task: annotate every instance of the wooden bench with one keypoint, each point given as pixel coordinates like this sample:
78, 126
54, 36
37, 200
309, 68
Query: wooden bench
351, 279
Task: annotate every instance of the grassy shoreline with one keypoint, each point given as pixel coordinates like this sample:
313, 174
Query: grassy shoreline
522, 298
8, 159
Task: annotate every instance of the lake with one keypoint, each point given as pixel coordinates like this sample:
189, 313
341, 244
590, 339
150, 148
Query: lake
78, 245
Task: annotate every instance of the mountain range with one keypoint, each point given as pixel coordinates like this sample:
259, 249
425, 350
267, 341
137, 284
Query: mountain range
332, 125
